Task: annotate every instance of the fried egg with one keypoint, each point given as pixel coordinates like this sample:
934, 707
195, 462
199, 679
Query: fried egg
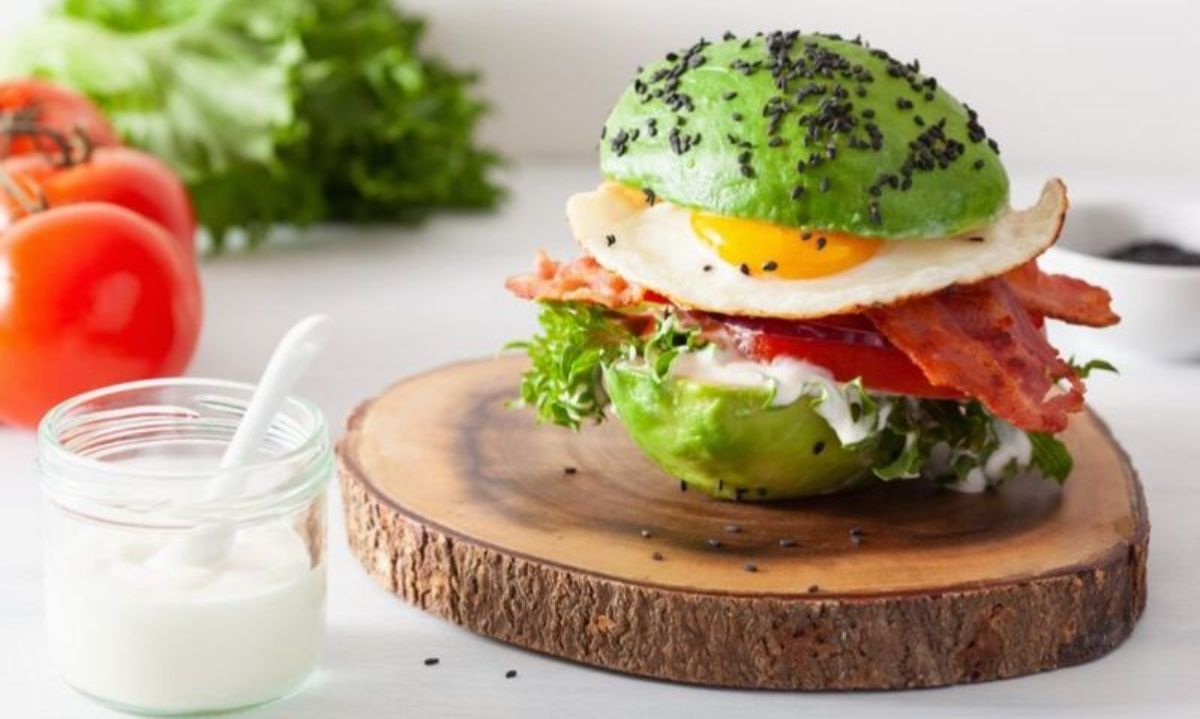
744, 267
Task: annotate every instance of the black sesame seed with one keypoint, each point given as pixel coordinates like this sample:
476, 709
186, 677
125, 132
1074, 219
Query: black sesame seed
708, 268
806, 235
510, 674
682, 486
431, 661
569, 470
729, 95
813, 589
744, 157
797, 192
750, 567
714, 542
775, 142
657, 556
737, 117
646, 534
975, 238
919, 120
610, 239
978, 165
819, 447
787, 542
868, 113
651, 198
747, 171
770, 266
821, 243
745, 269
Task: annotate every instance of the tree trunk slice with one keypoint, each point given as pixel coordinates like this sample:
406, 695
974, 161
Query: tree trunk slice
466, 509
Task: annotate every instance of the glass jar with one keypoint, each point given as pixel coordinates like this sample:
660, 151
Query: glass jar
138, 625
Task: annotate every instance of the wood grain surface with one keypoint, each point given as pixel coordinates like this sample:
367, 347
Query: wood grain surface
578, 546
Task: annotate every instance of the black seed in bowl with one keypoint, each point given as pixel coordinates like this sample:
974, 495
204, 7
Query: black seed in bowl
1155, 252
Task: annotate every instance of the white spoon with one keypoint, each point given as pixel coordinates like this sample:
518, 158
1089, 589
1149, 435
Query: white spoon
292, 356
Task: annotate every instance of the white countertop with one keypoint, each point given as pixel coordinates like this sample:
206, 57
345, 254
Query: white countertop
405, 301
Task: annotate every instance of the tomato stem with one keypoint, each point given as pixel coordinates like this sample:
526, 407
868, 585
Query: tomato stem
28, 195
23, 124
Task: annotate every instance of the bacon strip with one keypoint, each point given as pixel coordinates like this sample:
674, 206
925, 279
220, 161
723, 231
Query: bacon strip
980, 340
580, 280
1061, 297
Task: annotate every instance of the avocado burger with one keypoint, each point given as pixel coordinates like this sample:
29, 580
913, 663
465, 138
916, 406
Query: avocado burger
801, 274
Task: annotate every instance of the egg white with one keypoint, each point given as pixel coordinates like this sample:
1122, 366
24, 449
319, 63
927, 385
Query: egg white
656, 247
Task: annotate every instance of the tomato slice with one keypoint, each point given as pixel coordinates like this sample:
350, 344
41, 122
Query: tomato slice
849, 346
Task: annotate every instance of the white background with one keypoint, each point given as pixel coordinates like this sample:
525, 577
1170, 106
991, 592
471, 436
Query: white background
1103, 93
1109, 85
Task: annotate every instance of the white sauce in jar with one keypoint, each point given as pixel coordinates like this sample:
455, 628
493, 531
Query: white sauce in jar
180, 638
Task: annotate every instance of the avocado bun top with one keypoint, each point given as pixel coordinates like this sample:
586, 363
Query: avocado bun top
805, 131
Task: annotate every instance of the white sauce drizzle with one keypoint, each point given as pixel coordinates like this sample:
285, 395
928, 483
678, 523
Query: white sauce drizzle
787, 379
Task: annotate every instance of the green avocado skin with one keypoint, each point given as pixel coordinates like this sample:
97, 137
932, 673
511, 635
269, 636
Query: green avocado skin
970, 191
728, 441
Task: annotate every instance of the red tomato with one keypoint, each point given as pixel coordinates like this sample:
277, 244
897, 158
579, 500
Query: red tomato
90, 294
51, 106
848, 346
116, 175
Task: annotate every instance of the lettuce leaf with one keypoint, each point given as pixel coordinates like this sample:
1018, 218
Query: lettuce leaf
565, 385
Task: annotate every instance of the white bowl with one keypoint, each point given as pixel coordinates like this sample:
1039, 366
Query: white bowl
1159, 304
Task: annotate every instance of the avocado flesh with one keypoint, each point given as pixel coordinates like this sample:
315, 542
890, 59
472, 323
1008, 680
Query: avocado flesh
729, 442
724, 126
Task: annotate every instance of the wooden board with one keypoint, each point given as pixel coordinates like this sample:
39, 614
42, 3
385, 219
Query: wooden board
535, 536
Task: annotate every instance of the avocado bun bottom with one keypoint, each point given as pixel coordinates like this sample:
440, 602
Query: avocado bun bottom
729, 442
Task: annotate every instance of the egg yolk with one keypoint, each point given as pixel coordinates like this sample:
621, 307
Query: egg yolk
763, 249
